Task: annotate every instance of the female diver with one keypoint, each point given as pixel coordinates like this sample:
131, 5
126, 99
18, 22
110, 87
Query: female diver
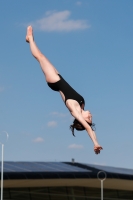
73, 101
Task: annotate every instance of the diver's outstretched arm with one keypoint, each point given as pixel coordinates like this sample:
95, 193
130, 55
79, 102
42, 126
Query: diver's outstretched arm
77, 115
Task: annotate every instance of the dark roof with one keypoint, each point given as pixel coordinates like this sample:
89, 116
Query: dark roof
41, 167
41, 170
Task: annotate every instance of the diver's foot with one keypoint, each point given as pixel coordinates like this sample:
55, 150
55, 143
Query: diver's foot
29, 35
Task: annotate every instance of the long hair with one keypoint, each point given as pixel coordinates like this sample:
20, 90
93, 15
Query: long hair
79, 127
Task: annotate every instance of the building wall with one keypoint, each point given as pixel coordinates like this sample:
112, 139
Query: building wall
109, 183
64, 193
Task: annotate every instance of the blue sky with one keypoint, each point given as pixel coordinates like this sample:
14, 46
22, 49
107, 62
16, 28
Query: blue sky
90, 42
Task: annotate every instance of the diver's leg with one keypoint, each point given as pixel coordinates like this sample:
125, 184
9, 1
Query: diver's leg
51, 74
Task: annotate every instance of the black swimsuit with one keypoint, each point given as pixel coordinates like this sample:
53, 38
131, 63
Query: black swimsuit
67, 90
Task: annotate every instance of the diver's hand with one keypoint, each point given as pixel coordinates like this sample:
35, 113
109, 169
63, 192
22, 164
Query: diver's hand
97, 149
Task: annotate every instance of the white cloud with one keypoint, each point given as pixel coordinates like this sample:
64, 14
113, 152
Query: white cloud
102, 164
38, 140
78, 3
59, 21
52, 124
57, 114
75, 146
